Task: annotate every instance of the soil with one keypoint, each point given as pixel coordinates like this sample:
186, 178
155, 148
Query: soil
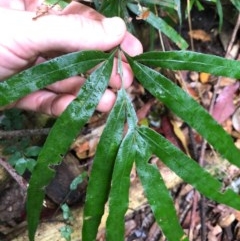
200, 218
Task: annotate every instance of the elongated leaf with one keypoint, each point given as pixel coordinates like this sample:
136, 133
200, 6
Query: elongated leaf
236, 3
47, 73
188, 109
220, 13
61, 136
187, 60
118, 197
112, 8
199, 5
179, 10
61, 3
160, 24
163, 3
188, 169
101, 173
156, 192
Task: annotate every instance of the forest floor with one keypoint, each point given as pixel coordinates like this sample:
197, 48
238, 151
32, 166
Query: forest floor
201, 219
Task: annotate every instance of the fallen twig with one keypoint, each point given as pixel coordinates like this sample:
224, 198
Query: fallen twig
24, 132
19, 179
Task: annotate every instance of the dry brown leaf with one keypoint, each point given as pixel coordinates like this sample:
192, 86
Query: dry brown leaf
214, 232
191, 91
204, 77
154, 232
85, 146
179, 133
194, 76
170, 178
45, 9
226, 81
227, 126
224, 106
237, 143
144, 15
226, 220
227, 215
130, 225
237, 231
236, 120
237, 215
200, 34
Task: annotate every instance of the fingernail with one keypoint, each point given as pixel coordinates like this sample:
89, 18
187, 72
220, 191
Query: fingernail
114, 26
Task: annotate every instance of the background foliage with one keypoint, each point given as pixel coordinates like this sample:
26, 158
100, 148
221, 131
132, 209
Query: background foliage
117, 151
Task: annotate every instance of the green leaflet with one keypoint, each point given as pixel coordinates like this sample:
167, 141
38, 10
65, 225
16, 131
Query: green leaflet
161, 25
47, 73
118, 197
61, 136
187, 60
156, 192
188, 109
101, 173
78, 180
188, 169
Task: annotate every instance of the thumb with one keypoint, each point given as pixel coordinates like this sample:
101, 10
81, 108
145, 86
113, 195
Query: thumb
73, 32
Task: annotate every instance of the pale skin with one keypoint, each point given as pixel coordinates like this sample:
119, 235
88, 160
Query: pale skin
26, 42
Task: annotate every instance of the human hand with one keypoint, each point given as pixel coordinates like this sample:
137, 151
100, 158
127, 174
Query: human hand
25, 42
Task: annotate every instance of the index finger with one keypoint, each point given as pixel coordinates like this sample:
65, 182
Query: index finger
130, 44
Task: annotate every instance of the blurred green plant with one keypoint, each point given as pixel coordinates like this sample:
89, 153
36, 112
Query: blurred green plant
21, 154
200, 7
117, 150
66, 230
25, 160
12, 119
